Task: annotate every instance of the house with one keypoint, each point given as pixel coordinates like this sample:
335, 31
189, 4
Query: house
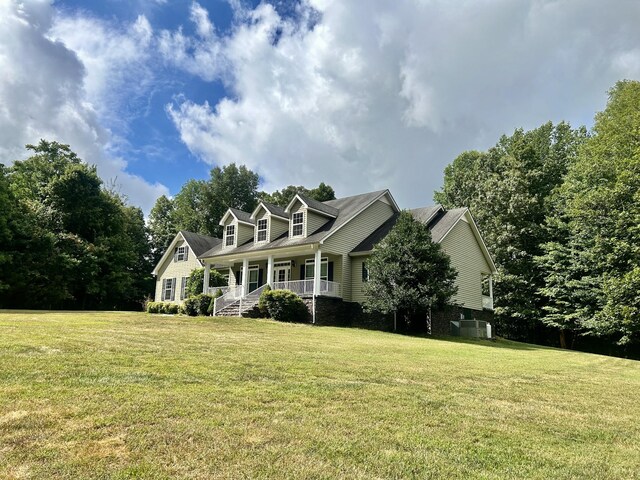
319, 250
177, 263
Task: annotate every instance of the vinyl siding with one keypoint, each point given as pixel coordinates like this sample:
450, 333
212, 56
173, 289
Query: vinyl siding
467, 258
356, 275
177, 270
314, 221
245, 233
277, 227
349, 236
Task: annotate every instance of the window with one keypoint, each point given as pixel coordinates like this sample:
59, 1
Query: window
365, 272
183, 287
262, 230
168, 289
297, 221
230, 235
309, 269
181, 254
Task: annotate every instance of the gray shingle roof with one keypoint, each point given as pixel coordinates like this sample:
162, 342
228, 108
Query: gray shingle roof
436, 217
200, 243
346, 208
321, 207
276, 210
242, 216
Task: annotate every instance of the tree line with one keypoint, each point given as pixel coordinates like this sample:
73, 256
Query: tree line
559, 208
70, 241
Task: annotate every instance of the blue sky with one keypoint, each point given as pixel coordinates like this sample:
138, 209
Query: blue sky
362, 95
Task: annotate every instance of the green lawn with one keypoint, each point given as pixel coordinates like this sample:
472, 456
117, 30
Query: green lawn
123, 395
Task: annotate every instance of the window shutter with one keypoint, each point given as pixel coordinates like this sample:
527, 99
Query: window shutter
186, 253
175, 254
302, 272
164, 288
239, 277
260, 272
173, 290
330, 271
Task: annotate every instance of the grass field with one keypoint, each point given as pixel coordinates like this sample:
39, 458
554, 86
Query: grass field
128, 395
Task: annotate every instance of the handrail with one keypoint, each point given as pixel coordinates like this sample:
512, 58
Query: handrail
232, 296
305, 287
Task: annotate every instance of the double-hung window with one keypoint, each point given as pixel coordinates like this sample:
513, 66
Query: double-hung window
183, 287
309, 269
297, 222
230, 235
261, 236
181, 254
168, 289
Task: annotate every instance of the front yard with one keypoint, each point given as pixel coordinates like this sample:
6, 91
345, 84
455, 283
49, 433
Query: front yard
121, 395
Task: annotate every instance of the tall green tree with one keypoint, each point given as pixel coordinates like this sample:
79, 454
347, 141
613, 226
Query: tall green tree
509, 190
322, 193
191, 209
600, 205
408, 272
162, 227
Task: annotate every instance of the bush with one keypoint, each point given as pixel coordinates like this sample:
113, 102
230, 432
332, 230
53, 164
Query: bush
163, 307
283, 305
197, 304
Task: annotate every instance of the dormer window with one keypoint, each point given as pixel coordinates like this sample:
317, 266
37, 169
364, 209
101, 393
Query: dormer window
230, 235
261, 234
297, 222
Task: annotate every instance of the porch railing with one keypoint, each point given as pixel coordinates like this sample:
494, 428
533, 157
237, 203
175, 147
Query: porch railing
233, 295
213, 290
305, 287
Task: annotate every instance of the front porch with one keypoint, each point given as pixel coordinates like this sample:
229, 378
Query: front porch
308, 275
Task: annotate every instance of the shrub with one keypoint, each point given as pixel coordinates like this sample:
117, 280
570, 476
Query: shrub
189, 307
197, 304
283, 305
195, 282
163, 307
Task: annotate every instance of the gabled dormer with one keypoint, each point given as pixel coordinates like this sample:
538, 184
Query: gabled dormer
237, 228
307, 215
271, 221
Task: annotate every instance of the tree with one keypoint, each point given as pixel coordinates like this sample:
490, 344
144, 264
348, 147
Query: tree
601, 208
190, 210
230, 186
162, 227
195, 283
509, 190
322, 193
408, 272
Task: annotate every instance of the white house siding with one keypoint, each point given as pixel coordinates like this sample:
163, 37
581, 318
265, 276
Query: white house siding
177, 270
354, 232
467, 258
277, 227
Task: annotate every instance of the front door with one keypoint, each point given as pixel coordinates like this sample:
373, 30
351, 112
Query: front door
281, 273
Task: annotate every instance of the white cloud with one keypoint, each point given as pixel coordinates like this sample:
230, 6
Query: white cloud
58, 82
385, 93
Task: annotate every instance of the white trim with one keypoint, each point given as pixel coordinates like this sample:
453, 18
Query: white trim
386, 192
229, 212
258, 230
301, 224
263, 205
297, 197
170, 249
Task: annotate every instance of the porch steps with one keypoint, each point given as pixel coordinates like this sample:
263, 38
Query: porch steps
233, 310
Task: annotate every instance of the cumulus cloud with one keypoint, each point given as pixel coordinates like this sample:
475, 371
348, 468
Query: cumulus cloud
54, 86
377, 94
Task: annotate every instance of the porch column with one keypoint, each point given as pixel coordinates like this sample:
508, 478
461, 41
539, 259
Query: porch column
205, 284
270, 271
245, 276
316, 273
